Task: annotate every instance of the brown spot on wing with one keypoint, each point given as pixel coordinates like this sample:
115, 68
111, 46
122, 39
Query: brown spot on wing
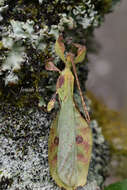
60, 81
79, 139
53, 144
84, 143
56, 140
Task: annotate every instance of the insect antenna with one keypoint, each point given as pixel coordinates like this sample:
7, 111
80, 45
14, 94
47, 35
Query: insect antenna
81, 95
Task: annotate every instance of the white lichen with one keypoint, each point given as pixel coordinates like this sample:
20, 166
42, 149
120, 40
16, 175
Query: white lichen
19, 32
13, 63
7, 42
40, 1
14, 59
54, 31
86, 14
23, 30
66, 21
11, 78
2, 2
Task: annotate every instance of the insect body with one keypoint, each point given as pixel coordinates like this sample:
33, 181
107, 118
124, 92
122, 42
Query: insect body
70, 139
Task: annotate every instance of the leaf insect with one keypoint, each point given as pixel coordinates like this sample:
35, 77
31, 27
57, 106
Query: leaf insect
70, 139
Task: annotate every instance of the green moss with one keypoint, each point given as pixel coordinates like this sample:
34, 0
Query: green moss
114, 127
1, 45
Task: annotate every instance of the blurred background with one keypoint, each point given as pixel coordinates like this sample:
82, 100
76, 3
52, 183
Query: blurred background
108, 69
107, 80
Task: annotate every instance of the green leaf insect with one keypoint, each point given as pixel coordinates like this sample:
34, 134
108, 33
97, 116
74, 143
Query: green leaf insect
70, 139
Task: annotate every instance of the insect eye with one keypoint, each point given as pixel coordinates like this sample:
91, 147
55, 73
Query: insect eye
56, 140
79, 139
